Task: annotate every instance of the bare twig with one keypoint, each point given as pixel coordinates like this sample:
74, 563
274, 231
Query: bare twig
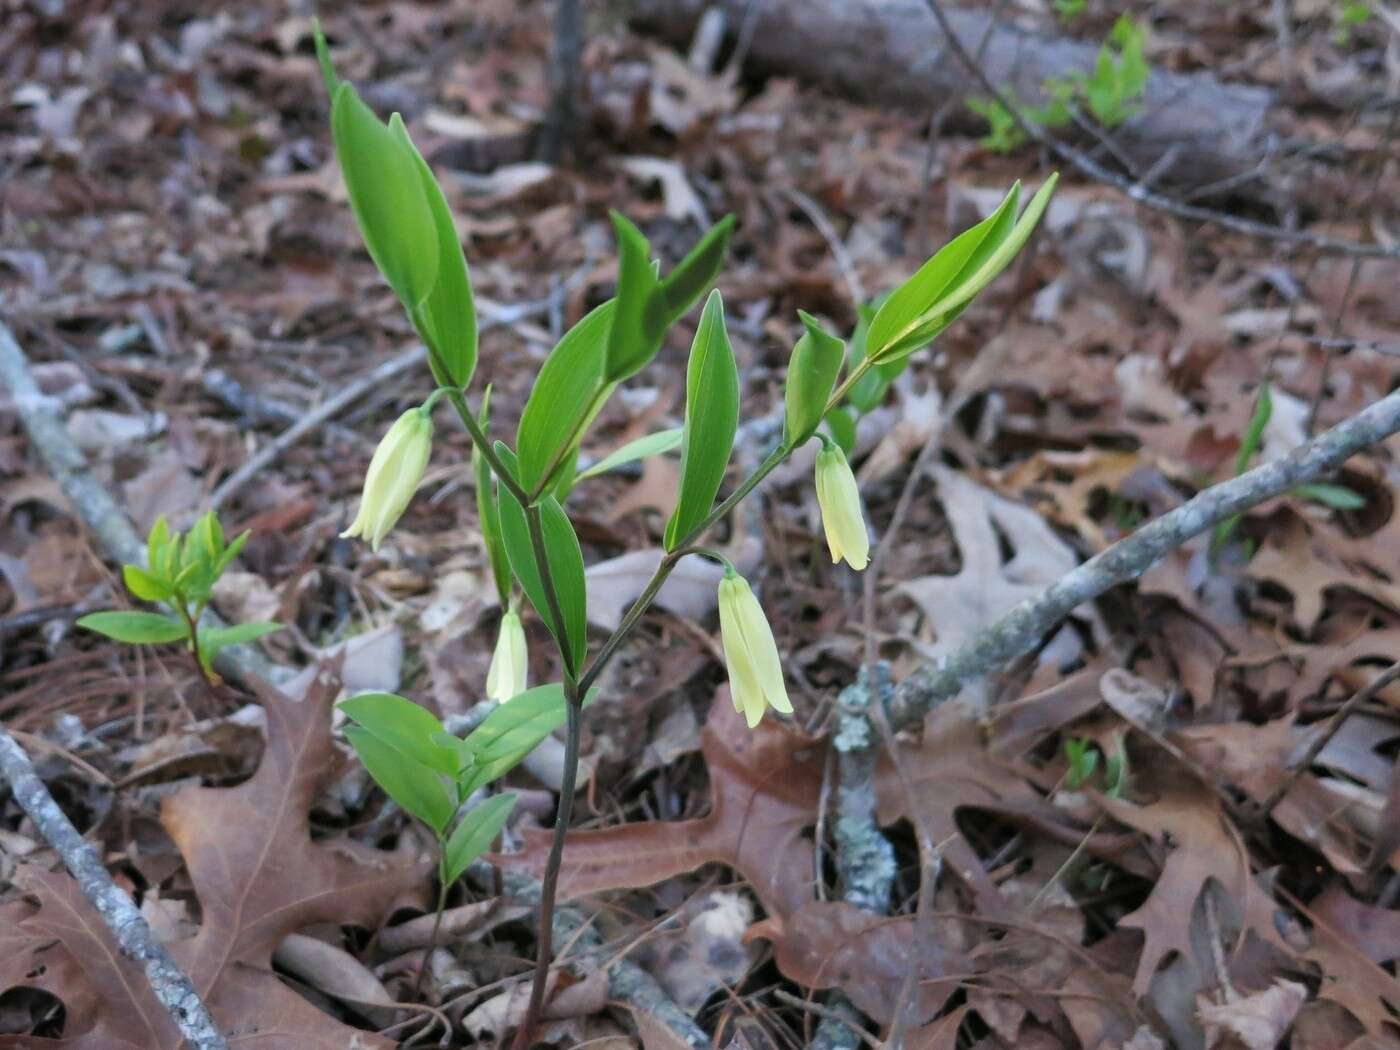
1137, 190
1322, 739
1020, 630
172, 988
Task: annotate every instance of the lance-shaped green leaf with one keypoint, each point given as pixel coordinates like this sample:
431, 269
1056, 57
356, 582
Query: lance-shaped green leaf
214, 640
447, 318
644, 447
711, 420
135, 628
898, 325
567, 396
386, 192
565, 559
647, 304
474, 834
488, 511
812, 371
403, 725
510, 733
145, 586
418, 789
323, 58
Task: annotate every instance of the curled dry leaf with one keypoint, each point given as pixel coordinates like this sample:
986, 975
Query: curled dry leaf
1254, 1022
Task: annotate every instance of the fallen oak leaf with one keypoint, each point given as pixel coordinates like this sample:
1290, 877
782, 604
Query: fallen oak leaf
827, 944
764, 787
258, 877
1352, 942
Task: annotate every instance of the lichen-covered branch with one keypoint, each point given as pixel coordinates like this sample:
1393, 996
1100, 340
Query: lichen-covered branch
171, 987
1021, 630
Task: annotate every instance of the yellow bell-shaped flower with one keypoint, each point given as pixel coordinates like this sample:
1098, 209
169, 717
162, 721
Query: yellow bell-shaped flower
510, 663
843, 516
750, 654
393, 476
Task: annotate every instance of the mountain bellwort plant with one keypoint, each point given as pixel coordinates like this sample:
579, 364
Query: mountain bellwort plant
523, 481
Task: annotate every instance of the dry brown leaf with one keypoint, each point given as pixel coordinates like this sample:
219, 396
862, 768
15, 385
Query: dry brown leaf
258, 876
1253, 1022
827, 944
1352, 942
1201, 845
764, 786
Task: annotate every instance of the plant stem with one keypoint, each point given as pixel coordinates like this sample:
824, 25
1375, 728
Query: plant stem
443, 887
551, 595
544, 950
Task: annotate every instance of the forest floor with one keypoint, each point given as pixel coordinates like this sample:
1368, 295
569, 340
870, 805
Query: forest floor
181, 267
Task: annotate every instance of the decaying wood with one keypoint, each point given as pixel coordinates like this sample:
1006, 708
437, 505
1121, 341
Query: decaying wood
1193, 129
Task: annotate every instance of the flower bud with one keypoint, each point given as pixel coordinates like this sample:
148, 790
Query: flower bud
750, 654
843, 517
393, 476
510, 663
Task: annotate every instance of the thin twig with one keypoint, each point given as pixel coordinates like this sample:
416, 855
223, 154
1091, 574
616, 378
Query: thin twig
172, 988
1020, 630
1363, 695
1138, 191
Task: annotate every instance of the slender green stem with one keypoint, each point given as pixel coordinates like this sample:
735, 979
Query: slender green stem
544, 951
483, 442
443, 887
551, 594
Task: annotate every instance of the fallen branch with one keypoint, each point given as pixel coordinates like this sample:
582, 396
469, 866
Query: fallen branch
172, 988
1021, 629
1138, 189
1205, 130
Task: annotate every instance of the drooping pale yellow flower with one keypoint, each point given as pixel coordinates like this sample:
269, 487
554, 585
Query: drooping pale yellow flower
394, 473
510, 663
750, 654
843, 516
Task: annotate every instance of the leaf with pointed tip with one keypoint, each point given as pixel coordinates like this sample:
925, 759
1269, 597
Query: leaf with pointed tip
568, 393
812, 371
474, 834
403, 725
711, 421
135, 628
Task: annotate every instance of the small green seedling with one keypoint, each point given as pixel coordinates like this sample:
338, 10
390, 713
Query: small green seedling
1110, 93
1083, 758
1337, 497
1353, 15
180, 573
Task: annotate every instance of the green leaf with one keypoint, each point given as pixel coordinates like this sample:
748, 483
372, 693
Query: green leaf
567, 395
648, 306
488, 511
135, 628
652, 445
898, 322
687, 282
511, 732
1253, 435
323, 58
417, 789
987, 266
447, 319
145, 586
215, 640
629, 341
386, 195
404, 726
1337, 497
565, 567
156, 544
711, 421
474, 834
233, 550
812, 371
